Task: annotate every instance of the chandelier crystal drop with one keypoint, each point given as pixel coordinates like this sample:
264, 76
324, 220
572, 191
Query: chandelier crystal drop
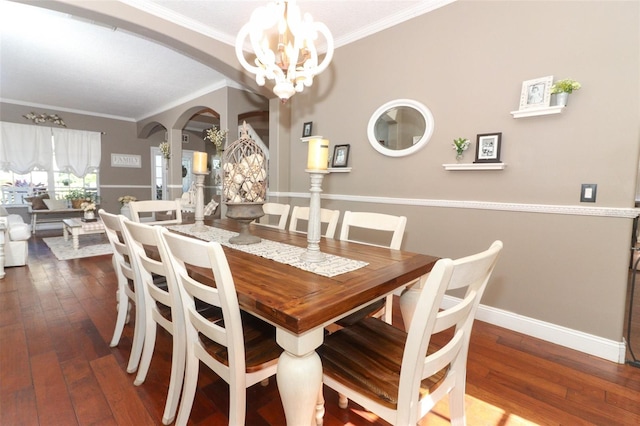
283, 42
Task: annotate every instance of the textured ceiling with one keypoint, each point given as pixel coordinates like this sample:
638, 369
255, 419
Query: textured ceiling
53, 60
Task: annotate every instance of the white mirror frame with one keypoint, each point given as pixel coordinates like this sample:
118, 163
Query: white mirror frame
421, 108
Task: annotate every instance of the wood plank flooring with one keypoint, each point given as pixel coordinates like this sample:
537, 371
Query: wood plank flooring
56, 366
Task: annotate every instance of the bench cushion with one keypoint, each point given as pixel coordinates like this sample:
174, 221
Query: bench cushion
37, 202
55, 204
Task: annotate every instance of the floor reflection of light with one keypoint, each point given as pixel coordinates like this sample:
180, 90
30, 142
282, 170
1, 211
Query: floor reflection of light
478, 412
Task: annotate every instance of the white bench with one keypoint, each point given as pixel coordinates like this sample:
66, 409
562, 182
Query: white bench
50, 216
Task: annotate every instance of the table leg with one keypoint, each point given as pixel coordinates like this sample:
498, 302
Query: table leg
409, 300
65, 232
2, 274
76, 242
299, 376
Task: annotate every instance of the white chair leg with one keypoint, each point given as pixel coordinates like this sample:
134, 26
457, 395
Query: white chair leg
138, 339
123, 309
343, 401
177, 376
147, 351
189, 389
237, 404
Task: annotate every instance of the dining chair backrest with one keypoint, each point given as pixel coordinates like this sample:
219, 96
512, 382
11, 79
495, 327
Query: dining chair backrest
154, 212
409, 384
275, 215
383, 227
374, 221
328, 217
129, 286
220, 345
163, 306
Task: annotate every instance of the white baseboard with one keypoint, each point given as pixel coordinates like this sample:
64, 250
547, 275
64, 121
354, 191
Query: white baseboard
563, 336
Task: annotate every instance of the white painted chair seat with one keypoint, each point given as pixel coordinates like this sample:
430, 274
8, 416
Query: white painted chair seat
163, 306
240, 349
127, 294
408, 384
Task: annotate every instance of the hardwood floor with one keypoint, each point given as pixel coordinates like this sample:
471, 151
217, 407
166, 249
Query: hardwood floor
56, 366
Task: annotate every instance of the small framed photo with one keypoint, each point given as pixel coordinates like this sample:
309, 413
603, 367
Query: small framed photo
340, 156
306, 129
488, 148
536, 93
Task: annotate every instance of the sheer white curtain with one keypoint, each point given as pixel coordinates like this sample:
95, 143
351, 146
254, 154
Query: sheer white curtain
77, 151
24, 147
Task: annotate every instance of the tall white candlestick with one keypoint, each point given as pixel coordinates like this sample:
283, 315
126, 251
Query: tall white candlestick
313, 253
199, 213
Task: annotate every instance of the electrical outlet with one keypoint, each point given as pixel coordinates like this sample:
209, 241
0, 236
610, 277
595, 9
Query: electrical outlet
588, 193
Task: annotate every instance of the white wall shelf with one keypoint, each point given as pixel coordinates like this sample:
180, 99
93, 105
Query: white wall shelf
475, 166
339, 169
537, 111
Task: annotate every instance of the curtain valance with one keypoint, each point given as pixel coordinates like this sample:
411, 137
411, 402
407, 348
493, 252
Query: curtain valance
24, 147
77, 151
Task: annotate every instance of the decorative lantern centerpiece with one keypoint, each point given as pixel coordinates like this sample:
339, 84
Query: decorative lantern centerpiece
244, 185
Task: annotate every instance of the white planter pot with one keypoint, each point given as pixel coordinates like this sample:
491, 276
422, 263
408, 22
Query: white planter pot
124, 210
562, 98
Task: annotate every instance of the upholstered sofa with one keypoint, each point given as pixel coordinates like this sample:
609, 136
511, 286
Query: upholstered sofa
14, 240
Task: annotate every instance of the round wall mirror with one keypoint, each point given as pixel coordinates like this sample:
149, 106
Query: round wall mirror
400, 127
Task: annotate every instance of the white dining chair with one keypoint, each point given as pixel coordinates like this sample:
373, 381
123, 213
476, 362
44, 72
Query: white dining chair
163, 307
240, 349
129, 287
379, 228
416, 373
328, 217
152, 212
275, 215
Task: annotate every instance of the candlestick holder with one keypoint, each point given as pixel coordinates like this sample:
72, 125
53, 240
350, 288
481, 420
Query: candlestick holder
199, 214
313, 253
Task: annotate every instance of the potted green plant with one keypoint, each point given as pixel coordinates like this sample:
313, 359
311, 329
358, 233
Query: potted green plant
562, 89
78, 196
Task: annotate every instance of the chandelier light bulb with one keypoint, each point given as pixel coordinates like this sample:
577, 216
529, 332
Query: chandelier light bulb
283, 42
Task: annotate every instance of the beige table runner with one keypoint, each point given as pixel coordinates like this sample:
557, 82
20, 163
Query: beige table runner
279, 252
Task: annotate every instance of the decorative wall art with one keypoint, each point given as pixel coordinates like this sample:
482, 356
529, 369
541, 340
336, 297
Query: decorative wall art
340, 156
488, 148
306, 129
536, 93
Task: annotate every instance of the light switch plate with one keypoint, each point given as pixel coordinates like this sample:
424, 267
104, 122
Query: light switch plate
588, 193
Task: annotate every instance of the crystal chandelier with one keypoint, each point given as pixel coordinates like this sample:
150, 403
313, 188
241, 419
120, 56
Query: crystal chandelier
283, 42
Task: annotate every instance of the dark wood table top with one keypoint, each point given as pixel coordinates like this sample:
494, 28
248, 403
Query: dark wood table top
300, 301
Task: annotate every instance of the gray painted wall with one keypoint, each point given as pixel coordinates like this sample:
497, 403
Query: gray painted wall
466, 62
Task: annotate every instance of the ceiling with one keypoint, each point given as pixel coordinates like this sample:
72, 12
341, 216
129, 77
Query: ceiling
52, 60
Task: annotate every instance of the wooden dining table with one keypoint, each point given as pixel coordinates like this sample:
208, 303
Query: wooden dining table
301, 304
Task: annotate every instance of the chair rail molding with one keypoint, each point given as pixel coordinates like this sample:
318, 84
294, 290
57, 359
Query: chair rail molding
575, 210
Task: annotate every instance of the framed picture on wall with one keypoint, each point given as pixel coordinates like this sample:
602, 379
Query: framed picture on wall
340, 156
306, 129
488, 148
536, 93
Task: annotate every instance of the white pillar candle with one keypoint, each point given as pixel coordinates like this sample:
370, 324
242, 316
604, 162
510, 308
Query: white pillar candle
318, 157
199, 162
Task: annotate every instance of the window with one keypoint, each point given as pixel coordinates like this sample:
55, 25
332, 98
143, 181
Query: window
27, 147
